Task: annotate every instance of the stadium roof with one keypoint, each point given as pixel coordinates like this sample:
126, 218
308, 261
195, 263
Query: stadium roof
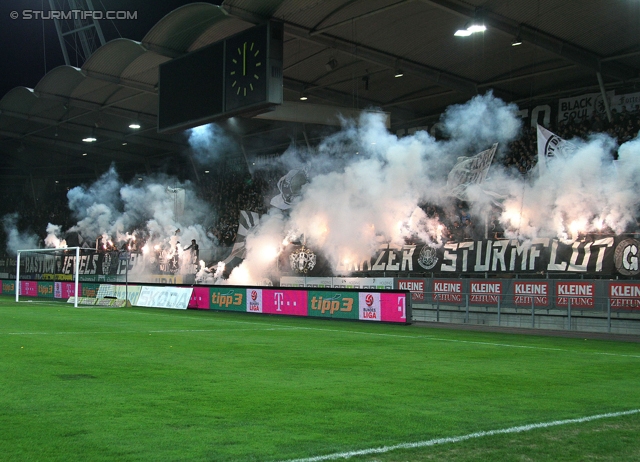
342, 53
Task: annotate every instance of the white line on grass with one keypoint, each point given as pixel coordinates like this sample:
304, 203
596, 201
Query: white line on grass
458, 439
426, 337
166, 331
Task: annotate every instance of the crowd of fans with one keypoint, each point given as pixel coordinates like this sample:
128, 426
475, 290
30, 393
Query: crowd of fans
230, 190
230, 193
624, 126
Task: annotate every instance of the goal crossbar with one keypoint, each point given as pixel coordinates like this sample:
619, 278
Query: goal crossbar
76, 269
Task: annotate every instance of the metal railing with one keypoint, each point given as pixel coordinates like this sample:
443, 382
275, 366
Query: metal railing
589, 314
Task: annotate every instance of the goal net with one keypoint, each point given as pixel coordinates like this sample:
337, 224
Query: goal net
43, 261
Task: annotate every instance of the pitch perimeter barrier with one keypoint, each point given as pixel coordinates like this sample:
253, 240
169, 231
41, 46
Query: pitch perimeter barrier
364, 305
579, 305
392, 306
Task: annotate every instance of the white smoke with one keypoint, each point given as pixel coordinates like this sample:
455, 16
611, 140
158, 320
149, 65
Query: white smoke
54, 237
366, 185
210, 143
16, 239
482, 121
149, 210
263, 247
583, 192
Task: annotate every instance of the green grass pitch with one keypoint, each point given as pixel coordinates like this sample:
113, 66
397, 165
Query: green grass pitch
130, 384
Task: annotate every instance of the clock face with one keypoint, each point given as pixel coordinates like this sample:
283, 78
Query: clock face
250, 77
245, 67
246, 70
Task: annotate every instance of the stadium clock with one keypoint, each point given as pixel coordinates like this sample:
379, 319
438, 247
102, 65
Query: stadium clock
245, 67
251, 57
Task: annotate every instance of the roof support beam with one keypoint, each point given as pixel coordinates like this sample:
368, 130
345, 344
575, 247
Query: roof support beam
344, 99
96, 107
540, 39
77, 147
388, 60
135, 137
372, 55
316, 31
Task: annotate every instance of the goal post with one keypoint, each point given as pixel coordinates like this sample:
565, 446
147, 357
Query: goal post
76, 268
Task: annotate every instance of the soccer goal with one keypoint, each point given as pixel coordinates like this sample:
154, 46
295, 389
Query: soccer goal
47, 261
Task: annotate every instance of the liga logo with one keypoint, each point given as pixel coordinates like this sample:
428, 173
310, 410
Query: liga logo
369, 300
370, 306
254, 300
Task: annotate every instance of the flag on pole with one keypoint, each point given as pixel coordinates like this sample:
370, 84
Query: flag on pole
468, 171
551, 146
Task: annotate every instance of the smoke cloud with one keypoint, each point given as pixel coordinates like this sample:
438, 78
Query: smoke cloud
367, 185
210, 143
17, 240
583, 192
160, 211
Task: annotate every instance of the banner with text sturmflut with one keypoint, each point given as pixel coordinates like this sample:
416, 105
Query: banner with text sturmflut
594, 255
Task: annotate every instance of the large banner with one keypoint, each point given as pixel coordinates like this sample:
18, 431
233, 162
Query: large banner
629, 102
99, 267
582, 107
593, 255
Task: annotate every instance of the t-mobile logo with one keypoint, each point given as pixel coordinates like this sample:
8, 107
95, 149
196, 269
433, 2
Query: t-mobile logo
279, 300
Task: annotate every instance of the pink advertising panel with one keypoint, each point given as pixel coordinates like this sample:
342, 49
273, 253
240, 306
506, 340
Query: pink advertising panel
394, 307
65, 290
290, 302
199, 298
29, 288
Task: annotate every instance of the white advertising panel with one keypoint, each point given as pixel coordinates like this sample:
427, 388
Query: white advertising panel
165, 297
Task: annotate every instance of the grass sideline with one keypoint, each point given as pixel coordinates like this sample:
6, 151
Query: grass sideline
148, 384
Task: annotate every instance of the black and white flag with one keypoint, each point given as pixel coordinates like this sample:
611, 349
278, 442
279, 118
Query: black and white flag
551, 146
468, 171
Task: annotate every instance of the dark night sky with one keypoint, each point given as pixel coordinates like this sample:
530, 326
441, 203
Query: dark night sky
30, 47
